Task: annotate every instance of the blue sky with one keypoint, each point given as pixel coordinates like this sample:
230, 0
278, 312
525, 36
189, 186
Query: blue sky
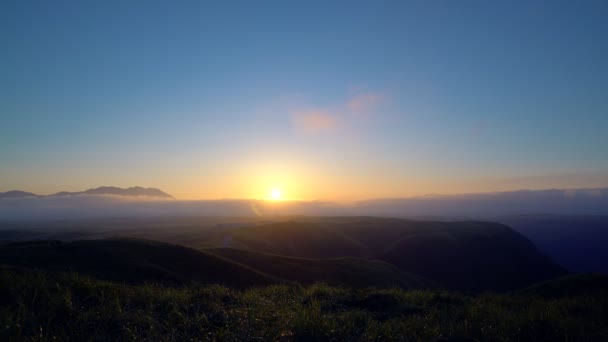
327, 99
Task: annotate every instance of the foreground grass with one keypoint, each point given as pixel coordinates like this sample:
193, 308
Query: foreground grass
56, 306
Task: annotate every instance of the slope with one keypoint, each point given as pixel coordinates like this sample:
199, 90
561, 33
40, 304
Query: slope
132, 261
469, 255
292, 238
345, 271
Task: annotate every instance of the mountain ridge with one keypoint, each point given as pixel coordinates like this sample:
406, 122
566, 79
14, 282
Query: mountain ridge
134, 191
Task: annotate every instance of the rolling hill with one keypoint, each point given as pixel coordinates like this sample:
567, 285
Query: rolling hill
143, 261
292, 238
344, 271
467, 255
132, 261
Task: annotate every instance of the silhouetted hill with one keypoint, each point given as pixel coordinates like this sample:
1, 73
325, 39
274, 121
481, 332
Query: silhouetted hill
346, 271
132, 191
133, 261
468, 255
16, 194
459, 255
472, 256
135, 191
139, 261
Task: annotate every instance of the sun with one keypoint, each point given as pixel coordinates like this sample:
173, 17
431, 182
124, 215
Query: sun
275, 194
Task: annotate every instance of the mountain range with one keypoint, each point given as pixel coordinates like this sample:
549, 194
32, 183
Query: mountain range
345, 251
135, 191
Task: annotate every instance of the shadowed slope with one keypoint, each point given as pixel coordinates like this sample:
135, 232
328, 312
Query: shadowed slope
133, 261
473, 259
467, 255
290, 238
458, 255
345, 271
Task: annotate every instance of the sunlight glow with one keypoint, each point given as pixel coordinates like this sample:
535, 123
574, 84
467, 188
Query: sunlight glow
275, 194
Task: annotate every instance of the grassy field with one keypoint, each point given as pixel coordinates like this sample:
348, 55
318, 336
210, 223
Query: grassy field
48, 306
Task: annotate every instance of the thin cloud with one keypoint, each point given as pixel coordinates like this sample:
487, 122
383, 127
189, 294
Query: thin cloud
365, 103
314, 121
324, 120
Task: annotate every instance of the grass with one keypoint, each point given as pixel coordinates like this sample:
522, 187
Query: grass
47, 306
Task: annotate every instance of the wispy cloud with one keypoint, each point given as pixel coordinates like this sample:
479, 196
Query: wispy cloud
314, 121
342, 115
365, 103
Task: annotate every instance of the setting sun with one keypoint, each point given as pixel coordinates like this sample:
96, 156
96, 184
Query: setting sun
275, 194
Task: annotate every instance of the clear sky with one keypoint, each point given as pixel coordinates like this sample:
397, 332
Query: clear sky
320, 99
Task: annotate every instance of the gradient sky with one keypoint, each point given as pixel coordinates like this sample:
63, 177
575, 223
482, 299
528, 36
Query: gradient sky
325, 100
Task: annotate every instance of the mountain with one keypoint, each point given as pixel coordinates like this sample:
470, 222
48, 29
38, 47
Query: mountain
17, 194
467, 255
135, 191
485, 206
471, 255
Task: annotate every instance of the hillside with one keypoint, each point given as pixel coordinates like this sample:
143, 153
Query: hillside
293, 238
459, 255
468, 255
51, 306
132, 261
139, 261
472, 256
345, 271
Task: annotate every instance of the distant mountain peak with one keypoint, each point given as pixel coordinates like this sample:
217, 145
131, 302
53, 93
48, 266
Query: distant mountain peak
135, 191
17, 194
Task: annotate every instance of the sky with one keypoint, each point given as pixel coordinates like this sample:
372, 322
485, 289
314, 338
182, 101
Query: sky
323, 100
